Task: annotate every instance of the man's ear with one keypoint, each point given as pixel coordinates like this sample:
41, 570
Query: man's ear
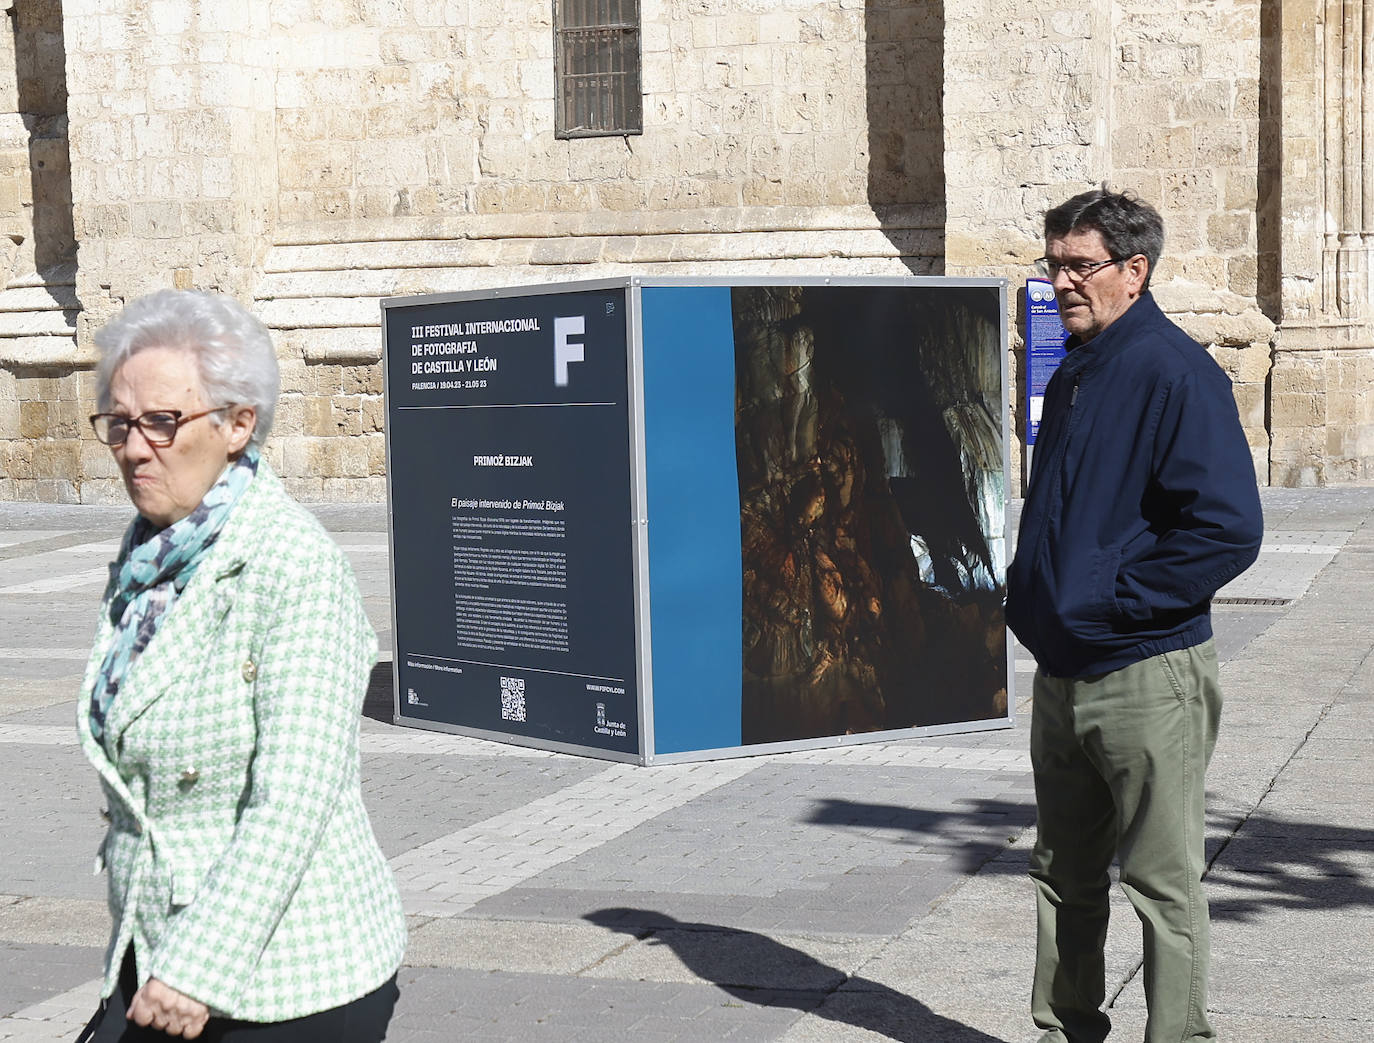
1137, 270
239, 424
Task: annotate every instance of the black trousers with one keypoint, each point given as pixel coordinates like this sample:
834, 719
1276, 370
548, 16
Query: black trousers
363, 1020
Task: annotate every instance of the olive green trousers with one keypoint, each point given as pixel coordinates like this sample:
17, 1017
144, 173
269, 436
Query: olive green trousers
1119, 762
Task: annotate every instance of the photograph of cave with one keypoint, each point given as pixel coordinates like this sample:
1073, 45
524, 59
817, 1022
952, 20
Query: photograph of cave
869, 442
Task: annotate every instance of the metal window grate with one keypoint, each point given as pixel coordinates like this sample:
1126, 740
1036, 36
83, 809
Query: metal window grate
597, 57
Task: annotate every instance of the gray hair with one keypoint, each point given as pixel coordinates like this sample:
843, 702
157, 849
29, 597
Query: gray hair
232, 350
1129, 226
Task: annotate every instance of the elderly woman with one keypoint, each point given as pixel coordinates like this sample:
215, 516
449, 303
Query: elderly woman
221, 709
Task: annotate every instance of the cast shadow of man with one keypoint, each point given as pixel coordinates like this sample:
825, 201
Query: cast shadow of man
755, 969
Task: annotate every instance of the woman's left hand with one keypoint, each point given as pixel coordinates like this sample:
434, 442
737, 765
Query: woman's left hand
168, 1010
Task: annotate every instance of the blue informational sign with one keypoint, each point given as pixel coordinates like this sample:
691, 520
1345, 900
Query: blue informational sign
1045, 336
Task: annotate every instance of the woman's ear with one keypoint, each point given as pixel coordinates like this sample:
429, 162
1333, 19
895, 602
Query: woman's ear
239, 423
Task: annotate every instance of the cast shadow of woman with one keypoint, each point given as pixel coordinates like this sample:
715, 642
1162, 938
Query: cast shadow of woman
755, 969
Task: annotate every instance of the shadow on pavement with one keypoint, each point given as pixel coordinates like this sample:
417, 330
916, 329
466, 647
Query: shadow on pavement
1271, 863
1276, 863
755, 969
976, 830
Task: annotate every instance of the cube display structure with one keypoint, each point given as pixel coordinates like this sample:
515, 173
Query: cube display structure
655, 520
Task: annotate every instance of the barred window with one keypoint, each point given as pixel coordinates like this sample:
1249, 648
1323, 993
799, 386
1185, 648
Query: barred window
597, 67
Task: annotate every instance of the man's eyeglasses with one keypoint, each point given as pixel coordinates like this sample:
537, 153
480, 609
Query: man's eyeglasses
1078, 271
159, 426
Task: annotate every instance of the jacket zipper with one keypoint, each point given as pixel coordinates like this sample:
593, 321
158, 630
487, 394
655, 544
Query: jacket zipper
1060, 451
1055, 477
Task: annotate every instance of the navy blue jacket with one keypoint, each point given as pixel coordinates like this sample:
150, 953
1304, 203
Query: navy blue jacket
1142, 501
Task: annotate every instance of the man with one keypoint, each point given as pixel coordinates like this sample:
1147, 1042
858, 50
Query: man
1142, 503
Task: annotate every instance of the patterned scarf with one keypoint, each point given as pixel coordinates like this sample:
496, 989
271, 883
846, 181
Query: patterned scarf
154, 567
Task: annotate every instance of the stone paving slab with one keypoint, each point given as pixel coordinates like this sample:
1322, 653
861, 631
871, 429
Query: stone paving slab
428, 798
50, 828
452, 873
19, 695
866, 1016
54, 921
1288, 562
74, 654
1337, 507
1235, 627
908, 836
512, 946
729, 957
31, 973
519, 1007
22, 547
10, 537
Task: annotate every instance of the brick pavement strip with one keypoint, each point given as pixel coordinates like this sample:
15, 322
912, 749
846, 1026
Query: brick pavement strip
94, 578
37, 735
394, 741
56, 1019
451, 874
962, 758
384, 739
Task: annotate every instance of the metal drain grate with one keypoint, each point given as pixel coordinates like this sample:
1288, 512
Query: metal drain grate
1252, 601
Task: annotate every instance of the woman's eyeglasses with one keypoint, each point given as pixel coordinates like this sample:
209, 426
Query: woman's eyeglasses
159, 426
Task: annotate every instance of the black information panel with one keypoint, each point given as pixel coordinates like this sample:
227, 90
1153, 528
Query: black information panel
508, 422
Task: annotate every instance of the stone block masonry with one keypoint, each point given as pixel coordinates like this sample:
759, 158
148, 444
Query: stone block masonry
313, 158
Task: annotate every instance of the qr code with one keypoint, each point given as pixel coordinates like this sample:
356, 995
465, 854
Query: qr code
512, 698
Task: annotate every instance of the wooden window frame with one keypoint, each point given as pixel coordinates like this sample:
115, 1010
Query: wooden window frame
597, 68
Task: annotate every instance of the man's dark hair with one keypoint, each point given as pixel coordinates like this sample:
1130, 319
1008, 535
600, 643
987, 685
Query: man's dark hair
1128, 225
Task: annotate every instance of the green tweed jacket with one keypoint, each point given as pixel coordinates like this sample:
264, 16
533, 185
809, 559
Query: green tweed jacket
242, 865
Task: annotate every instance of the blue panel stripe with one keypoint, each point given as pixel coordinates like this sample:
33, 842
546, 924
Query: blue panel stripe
694, 536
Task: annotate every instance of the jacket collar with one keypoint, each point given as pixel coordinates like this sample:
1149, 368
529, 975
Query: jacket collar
197, 612
1120, 336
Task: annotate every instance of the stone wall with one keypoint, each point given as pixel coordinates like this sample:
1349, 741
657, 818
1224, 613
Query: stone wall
413, 151
172, 140
35, 175
40, 389
311, 157
1320, 218
431, 109
1046, 102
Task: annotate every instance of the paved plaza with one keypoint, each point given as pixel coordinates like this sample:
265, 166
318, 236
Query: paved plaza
872, 892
